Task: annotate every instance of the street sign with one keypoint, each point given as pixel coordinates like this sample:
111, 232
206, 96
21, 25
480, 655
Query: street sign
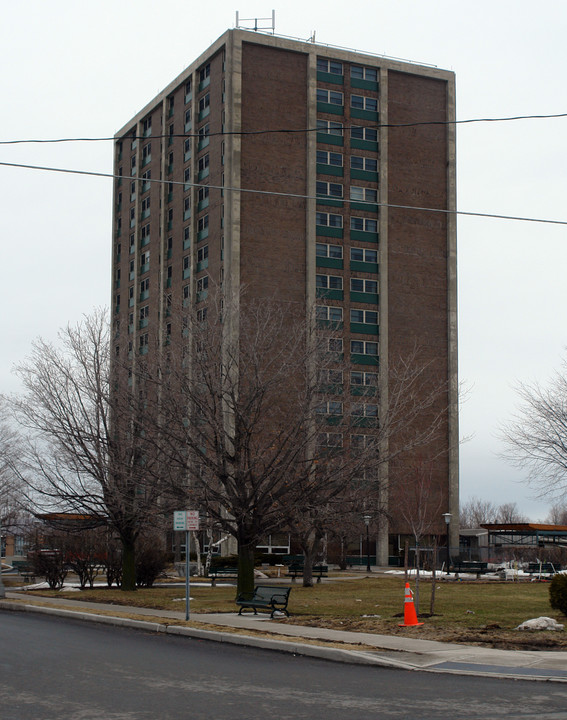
186, 520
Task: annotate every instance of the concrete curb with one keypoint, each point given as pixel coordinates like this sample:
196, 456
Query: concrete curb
355, 657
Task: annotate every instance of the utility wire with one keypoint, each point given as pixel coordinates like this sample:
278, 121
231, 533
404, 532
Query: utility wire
284, 130
283, 194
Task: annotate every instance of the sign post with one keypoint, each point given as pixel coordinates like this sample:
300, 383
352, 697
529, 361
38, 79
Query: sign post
187, 520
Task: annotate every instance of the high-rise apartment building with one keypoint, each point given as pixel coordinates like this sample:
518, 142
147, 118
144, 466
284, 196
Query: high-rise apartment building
321, 176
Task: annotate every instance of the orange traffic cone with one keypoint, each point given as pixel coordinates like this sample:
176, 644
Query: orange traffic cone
410, 616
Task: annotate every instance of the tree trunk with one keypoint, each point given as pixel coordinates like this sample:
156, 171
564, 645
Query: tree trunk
128, 564
310, 546
433, 579
245, 567
416, 594
197, 546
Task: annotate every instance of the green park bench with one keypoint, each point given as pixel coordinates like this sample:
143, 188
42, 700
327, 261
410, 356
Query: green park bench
222, 572
265, 597
296, 568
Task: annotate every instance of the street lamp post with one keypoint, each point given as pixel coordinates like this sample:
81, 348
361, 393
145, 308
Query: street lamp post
2, 589
367, 519
447, 517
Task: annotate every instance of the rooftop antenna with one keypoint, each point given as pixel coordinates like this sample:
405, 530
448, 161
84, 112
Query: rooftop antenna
263, 28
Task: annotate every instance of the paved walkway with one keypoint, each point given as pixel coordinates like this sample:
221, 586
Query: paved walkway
389, 651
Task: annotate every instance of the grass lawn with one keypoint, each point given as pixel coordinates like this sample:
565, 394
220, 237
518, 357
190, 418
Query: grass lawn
476, 611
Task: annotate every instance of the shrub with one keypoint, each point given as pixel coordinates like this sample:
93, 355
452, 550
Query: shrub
150, 562
558, 593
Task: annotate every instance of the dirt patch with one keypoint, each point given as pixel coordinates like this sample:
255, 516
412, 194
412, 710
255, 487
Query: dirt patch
490, 636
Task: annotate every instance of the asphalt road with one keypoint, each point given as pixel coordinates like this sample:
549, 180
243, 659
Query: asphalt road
57, 669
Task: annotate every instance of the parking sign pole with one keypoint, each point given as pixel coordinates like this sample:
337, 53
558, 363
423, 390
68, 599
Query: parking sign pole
187, 574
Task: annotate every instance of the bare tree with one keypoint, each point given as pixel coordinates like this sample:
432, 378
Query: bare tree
509, 513
536, 437
557, 515
256, 417
420, 504
86, 451
475, 512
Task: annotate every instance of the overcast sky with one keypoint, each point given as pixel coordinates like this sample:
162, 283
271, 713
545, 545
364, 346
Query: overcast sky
79, 69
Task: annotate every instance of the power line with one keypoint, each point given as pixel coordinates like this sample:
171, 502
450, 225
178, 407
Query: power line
226, 133
284, 194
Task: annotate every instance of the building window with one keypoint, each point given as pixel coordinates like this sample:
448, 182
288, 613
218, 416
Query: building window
329, 440
203, 162
145, 207
330, 377
335, 345
329, 220
329, 158
202, 253
329, 66
204, 103
202, 315
203, 193
330, 127
368, 379
361, 194
188, 88
186, 292
363, 163
362, 255
145, 233
361, 442
144, 339
145, 285
329, 251
364, 224
329, 312
205, 72
364, 73
186, 262
363, 347
364, 133
203, 133
329, 282
361, 102
328, 189
147, 126
144, 312
203, 223
146, 153
362, 285
331, 97
364, 410
202, 283
132, 165
367, 317
331, 407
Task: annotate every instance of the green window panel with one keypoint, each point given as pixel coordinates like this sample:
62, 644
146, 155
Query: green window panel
330, 108
202, 265
329, 262
145, 214
170, 169
364, 144
144, 350
331, 294
331, 389
325, 231
329, 170
368, 422
334, 419
186, 302
201, 235
169, 253
133, 222
330, 78
168, 282
364, 84
364, 236
363, 297
363, 174
202, 295
329, 201
131, 302
186, 244
169, 197
119, 232
188, 97
204, 83
169, 224
359, 359
364, 206
146, 161
187, 156
364, 328
144, 295
119, 207
203, 174
330, 324
187, 214
203, 204
203, 143
364, 114
204, 113
145, 241
186, 273
145, 268
143, 323
365, 390
145, 187
359, 266
132, 274
332, 139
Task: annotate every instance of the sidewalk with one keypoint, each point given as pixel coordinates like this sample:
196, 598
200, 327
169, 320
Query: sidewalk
390, 651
